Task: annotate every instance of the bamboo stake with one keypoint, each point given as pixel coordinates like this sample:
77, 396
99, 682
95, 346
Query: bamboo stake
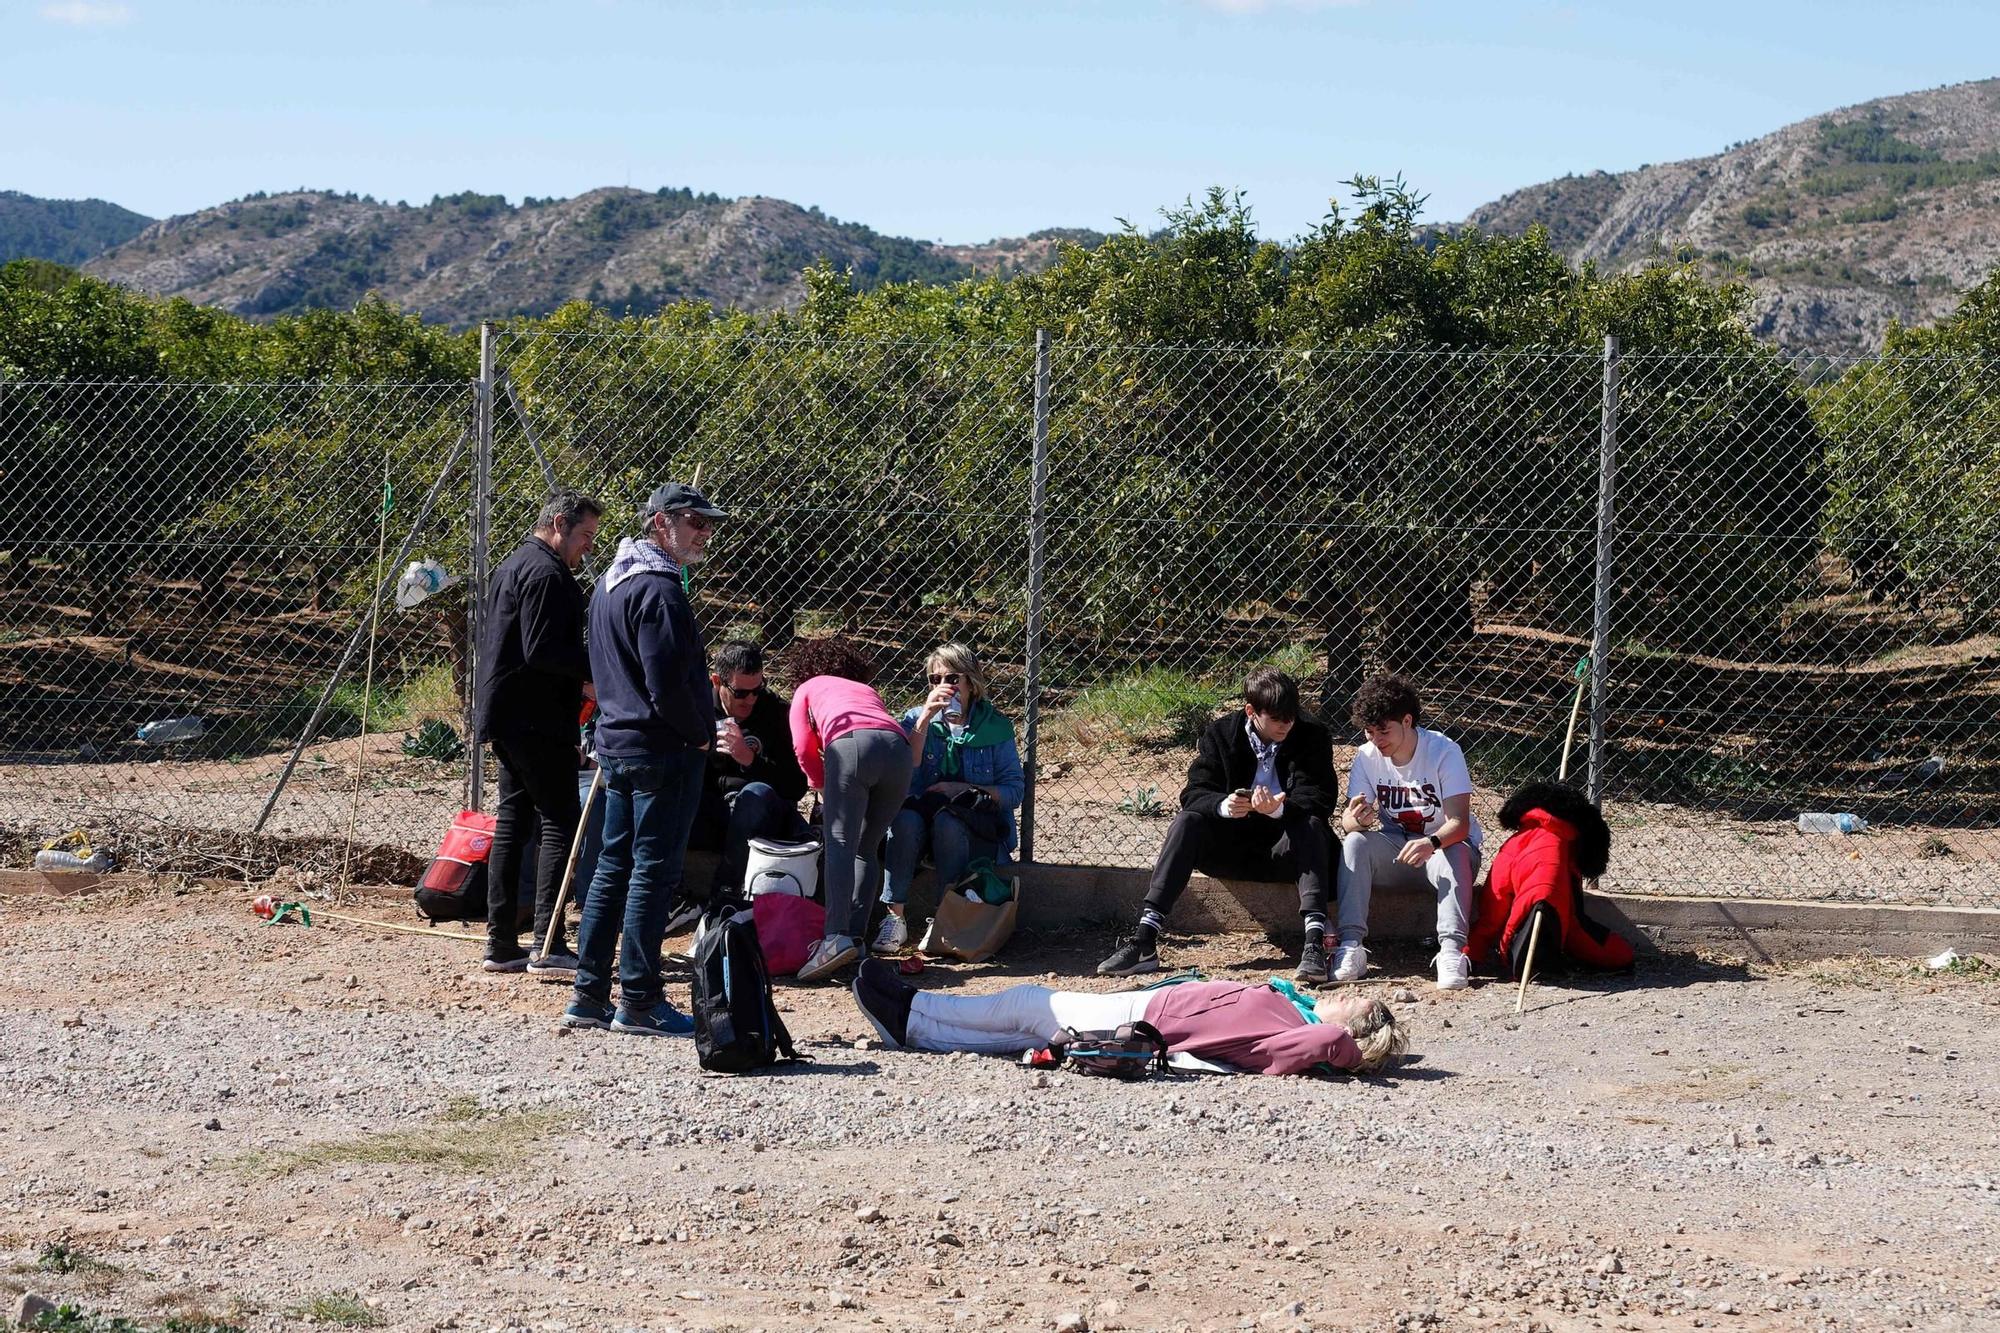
1528, 963
1582, 674
569, 871
425, 931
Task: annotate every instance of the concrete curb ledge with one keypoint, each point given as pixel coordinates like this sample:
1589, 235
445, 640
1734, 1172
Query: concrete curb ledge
1059, 897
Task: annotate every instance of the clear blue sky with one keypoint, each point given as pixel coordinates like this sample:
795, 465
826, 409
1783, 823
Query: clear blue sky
954, 122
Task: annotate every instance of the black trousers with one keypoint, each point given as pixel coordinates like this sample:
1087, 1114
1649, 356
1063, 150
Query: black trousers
1294, 846
537, 797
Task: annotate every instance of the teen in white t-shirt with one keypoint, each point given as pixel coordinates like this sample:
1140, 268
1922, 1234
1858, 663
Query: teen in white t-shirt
1408, 821
1411, 796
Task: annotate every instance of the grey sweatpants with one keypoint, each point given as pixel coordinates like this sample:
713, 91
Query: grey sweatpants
1369, 858
867, 777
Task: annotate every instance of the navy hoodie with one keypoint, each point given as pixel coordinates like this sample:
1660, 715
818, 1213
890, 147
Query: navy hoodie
648, 659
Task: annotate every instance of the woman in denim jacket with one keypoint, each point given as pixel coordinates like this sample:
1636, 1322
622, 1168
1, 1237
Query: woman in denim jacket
965, 758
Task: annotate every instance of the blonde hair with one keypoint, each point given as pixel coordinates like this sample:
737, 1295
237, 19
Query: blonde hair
1375, 1030
971, 676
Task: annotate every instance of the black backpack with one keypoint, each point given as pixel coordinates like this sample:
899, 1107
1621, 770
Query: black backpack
736, 1023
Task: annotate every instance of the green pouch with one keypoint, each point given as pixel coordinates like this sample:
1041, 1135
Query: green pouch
983, 877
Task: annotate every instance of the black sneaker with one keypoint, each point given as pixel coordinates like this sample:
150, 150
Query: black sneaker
557, 965
1313, 964
884, 999
1134, 955
505, 958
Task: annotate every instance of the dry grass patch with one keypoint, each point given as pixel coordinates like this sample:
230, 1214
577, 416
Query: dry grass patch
502, 1140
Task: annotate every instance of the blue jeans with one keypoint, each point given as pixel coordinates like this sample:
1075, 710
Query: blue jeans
754, 811
952, 848
649, 805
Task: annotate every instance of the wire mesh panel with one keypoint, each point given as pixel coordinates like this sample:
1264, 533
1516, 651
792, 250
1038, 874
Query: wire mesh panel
186, 564
1805, 626
875, 489
1334, 513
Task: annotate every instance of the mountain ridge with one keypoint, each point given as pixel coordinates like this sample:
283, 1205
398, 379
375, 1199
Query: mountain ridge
1838, 223
463, 258
63, 231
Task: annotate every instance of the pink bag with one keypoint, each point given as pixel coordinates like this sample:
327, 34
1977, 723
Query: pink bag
788, 927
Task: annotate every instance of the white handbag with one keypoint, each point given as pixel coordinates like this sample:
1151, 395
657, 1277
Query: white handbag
781, 867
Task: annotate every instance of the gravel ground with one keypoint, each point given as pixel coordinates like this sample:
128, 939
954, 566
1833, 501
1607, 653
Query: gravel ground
237, 1120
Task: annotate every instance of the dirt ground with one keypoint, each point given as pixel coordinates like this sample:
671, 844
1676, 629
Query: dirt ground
204, 1116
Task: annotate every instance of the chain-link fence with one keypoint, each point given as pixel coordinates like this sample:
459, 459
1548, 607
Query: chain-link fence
186, 565
1785, 577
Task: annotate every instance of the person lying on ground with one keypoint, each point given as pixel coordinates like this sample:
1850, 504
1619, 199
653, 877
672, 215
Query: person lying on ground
536, 677
967, 784
754, 781
1562, 840
654, 728
1255, 807
854, 751
1254, 1029
1408, 821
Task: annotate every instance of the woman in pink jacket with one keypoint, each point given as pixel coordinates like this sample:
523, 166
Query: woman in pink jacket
854, 752
1266, 1029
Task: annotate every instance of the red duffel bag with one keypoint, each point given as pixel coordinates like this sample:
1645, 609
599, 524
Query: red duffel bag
788, 927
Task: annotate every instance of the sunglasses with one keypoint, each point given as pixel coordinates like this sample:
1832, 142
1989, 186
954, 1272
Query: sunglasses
699, 522
948, 678
744, 694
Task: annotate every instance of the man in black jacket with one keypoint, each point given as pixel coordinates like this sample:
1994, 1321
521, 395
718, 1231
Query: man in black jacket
655, 726
533, 676
754, 779
1255, 807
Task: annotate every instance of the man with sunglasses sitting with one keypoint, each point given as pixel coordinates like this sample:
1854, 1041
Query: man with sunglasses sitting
754, 780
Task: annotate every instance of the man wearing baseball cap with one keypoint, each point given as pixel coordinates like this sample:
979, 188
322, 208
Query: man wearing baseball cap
655, 722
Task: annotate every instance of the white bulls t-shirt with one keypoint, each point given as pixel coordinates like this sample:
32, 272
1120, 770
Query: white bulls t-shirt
1412, 797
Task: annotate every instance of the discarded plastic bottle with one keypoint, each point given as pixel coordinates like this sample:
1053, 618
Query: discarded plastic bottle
52, 858
1817, 821
172, 730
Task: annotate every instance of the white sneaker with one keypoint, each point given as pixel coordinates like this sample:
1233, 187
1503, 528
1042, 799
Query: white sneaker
891, 935
828, 956
1454, 969
1350, 962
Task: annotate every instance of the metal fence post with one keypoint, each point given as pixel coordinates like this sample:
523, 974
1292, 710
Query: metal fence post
1038, 495
1600, 631
475, 591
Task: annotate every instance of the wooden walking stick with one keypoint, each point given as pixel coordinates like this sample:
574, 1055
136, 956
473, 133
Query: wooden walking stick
569, 871
1582, 674
1528, 964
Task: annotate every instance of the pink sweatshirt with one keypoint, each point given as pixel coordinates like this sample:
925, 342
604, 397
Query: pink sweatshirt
826, 708
1253, 1028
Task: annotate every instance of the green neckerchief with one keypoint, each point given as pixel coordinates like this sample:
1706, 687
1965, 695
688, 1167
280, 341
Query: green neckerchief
1299, 1002
984, 727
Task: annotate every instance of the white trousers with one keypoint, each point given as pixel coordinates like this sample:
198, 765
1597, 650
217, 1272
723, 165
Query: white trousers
1016, 1019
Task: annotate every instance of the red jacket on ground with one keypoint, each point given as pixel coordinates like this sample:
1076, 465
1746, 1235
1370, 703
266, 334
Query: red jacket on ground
1561, 839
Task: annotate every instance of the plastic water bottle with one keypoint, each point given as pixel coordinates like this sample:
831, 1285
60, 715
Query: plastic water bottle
171, 730
56, 858
1818, 821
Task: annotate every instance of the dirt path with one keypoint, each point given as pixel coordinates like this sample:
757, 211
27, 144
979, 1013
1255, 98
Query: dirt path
230, 1120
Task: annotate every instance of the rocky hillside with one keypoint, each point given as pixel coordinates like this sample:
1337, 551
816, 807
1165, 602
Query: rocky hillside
1839, 223
67, 231
468, 257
